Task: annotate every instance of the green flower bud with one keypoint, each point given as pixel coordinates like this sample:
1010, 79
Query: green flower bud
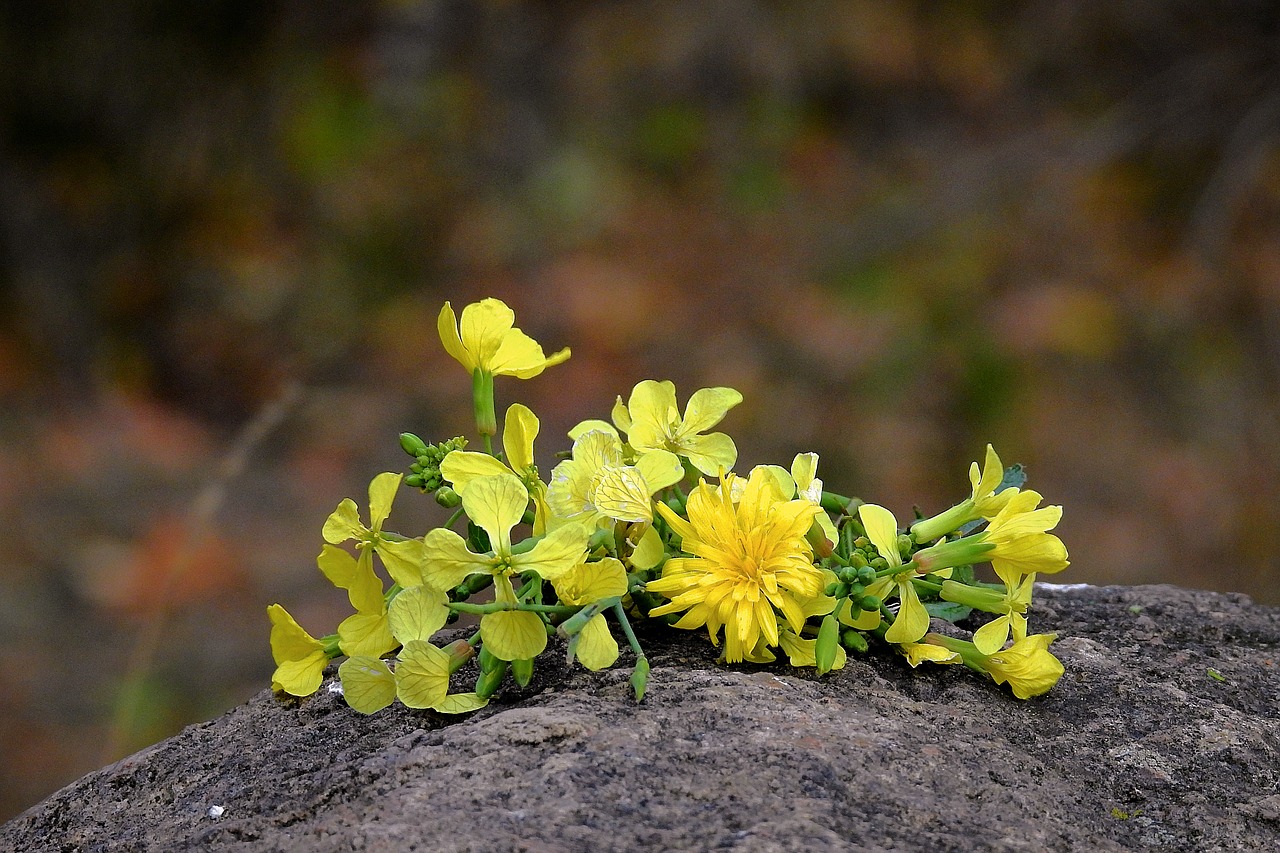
640, 677
415, 481
870, 602
854, 641
522, 671
412, 445
866, 575
825, 649
847, 574
447, 497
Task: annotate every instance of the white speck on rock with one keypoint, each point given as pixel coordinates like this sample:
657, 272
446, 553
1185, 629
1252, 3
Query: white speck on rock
335, 687
216, 812
1063, 586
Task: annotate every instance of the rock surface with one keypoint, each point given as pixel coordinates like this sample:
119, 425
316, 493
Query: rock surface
1163, 735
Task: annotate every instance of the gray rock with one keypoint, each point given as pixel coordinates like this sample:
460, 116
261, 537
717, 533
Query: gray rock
1138, 747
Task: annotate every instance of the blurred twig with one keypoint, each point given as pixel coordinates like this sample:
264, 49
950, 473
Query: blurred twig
200, 519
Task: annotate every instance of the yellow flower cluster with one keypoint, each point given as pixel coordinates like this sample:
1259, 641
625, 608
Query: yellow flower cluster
645, 519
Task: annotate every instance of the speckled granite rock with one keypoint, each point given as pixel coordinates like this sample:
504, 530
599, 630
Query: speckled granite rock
1138, 747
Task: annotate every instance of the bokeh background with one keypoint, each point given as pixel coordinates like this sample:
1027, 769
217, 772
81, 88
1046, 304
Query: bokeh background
901, 229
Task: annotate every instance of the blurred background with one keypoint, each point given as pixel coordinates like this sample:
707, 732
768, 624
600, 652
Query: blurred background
901, 229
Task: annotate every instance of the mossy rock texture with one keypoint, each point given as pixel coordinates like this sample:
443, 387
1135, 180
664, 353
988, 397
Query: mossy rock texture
1163, 735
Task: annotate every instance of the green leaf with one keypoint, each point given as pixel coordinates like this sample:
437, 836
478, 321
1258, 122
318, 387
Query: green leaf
948, 610
477, 539
367, 683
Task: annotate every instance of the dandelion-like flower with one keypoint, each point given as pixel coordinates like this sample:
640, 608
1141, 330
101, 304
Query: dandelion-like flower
749, 563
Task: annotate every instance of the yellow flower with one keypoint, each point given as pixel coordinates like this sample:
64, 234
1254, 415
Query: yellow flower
1022, 544
912, 620
652, 421
595, 484
487, 340
918, 653
984, 502
519, 430
1026, 666
1011, 604
300, 658
587, 583
402, 557
750, 562
496, 505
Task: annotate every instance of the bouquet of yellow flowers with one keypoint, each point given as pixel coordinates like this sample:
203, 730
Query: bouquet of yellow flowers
646, 519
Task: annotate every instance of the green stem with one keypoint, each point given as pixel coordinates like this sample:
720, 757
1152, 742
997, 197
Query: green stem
499, 606
621, 614
488, 443
839, 504
331, 645
920, 583
453, 519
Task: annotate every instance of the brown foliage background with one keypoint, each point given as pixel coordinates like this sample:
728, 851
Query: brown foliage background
901, 229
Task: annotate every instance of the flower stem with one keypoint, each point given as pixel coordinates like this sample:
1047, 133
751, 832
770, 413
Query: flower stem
499, 606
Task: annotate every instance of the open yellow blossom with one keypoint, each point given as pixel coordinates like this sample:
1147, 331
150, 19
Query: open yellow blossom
496, 505
984, 502
912, 620
1022, 543
1027, 666
749, 563
588, 583
486, 339
402, 557
519, 430
652, 421
300, 658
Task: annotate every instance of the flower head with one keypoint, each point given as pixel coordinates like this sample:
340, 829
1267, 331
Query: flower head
587, 583
986, 500
749, 563
519, 429
496, 505
652, 421
1022, 542
912, 621
487, 340
402, 557
300, 658
1026, 666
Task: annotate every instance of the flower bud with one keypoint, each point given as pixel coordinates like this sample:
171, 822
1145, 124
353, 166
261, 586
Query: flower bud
412, 445
522, 671
447, 497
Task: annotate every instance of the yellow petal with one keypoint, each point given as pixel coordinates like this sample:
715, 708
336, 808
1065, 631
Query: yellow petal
710, 453
918, 653
652, 408
367, 683
422, 675
882, 530
344, 523
558, 552
596, 648
447, 561
621, 493
460, 703
621, 417
780, 481
403, 560
300, 677
513, 634
382, 492
803, 652
707, 407
363, 587
519, 429
460, 467
521, 356
660, 469
648, 551
417, 613
588, 582
496, 504
803, 469
912, 621
990, 638
863, 620
366, 634
485, 324
289, 641
592, 426
447, 326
